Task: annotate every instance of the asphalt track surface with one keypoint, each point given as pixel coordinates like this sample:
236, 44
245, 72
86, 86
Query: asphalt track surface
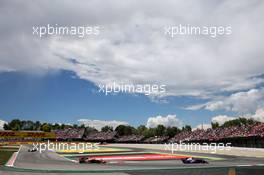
35, 163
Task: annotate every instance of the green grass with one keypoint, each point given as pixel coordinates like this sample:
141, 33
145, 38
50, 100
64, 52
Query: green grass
5, 155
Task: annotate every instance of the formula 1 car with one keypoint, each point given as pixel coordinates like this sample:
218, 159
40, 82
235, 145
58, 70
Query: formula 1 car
91, 160
192, 160
32, 150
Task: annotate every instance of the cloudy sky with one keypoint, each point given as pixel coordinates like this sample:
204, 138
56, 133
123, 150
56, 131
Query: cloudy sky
56, 78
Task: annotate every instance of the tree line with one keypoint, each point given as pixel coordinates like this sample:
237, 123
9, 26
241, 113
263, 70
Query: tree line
235, 122
160, 130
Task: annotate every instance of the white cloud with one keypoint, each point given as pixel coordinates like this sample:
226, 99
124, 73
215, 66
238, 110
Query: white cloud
169, 120
195, 107
258, 115
241, 102
98, 124
132, 47
221, 119
2, 122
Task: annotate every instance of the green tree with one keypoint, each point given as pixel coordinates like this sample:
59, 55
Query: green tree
107, 128
63, 126
187, 128
214, 125
141, 129
37, 126
89, 130
46, 127
6, 126
82, 126
125, 130
172, 131
150, 132
15, 125
160, 130
27, 125
56, 126
75, 126
120, 130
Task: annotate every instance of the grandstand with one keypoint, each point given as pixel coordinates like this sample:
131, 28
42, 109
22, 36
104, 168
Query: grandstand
234, 134
130, 139
245, 135
244, 131
156, 139
69, 133
101, 136
24, 136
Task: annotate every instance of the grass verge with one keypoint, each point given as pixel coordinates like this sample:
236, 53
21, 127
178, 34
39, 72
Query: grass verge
5, 155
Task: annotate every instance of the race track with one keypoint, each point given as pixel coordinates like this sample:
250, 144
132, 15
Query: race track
53, 163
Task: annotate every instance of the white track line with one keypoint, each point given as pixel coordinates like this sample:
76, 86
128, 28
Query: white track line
75, 161
12, 159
